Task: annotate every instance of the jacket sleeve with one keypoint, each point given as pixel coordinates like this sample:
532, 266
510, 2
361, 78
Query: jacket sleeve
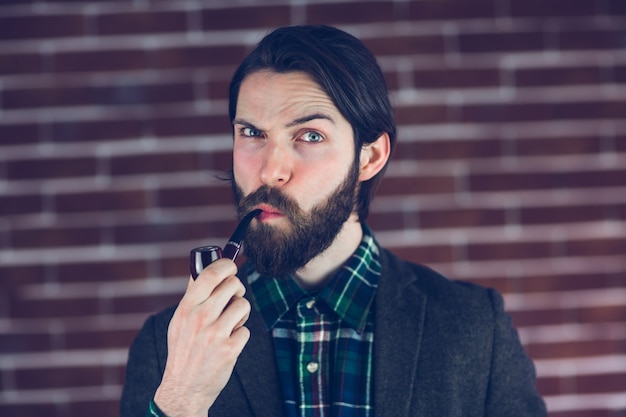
144, 368
511, 390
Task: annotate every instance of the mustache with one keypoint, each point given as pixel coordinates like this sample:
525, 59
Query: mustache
266, 195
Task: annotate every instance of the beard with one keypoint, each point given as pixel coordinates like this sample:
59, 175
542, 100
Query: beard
279, 252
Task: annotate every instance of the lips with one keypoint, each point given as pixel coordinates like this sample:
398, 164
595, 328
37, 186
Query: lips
268, 212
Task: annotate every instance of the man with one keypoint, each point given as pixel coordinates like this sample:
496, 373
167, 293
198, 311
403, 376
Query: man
334, 324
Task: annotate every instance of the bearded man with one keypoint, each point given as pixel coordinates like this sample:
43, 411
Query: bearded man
322, 321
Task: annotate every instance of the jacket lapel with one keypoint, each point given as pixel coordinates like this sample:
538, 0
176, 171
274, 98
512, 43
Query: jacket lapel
257, 371
400, 312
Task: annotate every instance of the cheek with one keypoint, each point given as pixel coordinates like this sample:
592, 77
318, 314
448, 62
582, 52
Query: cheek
243, 169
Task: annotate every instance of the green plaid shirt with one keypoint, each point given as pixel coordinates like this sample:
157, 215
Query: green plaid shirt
324, 341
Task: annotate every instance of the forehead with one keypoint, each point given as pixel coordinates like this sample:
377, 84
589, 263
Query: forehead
268, 93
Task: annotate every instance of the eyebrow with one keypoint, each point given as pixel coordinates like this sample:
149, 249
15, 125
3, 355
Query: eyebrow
310, 117
296, 122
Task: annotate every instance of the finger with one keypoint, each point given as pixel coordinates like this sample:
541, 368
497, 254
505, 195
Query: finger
240, 338
209, 279
234, 316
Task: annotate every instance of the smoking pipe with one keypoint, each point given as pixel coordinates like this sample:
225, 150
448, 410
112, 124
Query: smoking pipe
200, 257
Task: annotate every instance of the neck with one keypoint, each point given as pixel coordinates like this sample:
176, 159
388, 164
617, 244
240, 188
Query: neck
320, 270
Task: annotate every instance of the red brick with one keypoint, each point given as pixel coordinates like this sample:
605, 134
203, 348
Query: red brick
42, 26
561, 315
168, 232
565, 214
518, 112
50, 237
407, 45
21, 169
20, 63
550, 386
146, 305
575, 349
19, 134
201, 196
392, 220
509, 181
199, 56
24, 342
506, 250
620, 73
155, 163
617, 7
456, 78
93, 408
245, 17
594, 178
558, 76
220, 161
342, 13
422, 114
566, 145
100, 201
597, 247
504, 285
501, 42
32, 410
451, 9
20, 204
114, 95
448, 149
100, 60
177, 264
97, 130
55, 308
461, 218
38, 378
424, 184
620, 143
602, 383
590, 39
191, 125
573, 281
556, 8
425, 254
101, 271
141, 22
543, 317
392, 78
603, 314
590, 412
99, 339
216, 89
14, 276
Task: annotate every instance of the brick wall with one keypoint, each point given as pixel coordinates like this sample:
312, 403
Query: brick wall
510, 172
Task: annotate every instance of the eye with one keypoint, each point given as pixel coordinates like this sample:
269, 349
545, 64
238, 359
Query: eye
250, 132
312, 136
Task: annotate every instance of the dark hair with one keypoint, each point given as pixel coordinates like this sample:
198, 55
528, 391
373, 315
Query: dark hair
344, 68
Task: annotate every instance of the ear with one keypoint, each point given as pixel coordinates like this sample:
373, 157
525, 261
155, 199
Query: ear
374, 156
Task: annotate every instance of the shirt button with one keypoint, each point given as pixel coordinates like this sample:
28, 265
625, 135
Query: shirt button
310, 304
312, 367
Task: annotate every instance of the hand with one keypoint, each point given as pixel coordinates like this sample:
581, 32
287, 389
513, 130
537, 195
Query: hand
204, 340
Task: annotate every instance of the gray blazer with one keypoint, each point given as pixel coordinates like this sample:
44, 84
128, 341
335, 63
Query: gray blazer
441, 348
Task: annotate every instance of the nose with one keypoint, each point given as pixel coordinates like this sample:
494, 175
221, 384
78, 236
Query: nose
276, 165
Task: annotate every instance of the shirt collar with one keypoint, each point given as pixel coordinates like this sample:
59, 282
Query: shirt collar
350, 293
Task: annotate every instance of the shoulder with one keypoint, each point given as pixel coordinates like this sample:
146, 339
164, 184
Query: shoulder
420, 287
401, 274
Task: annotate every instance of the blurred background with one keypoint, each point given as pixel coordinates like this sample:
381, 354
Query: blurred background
510, 172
